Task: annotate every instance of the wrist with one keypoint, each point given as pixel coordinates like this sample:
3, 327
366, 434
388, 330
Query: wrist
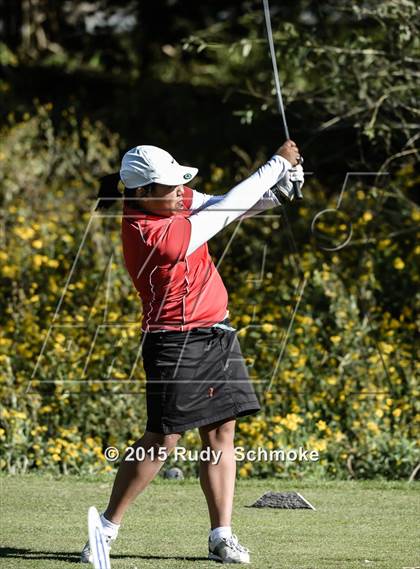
288, 165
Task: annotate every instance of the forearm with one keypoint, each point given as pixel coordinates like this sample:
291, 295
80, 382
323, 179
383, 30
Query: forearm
220, 212
268, 201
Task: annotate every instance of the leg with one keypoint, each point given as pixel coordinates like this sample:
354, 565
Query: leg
218, 480
133, 477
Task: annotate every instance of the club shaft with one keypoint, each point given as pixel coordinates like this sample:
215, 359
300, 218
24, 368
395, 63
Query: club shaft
275, 69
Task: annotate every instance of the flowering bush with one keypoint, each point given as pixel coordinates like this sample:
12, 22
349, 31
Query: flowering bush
327, 331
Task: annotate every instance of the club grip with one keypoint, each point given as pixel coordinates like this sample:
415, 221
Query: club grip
297, 191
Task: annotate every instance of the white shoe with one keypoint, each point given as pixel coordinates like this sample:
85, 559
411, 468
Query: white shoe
98, 541
87, 556
228, 550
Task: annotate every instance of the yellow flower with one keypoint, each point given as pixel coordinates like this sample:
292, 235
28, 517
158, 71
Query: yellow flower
335, 339
397, 412
301, 361
24, 232
267, 328
384, 244
243, 472
246, 319
398, 264
291, 421
367, 216
293, 351
217, 174
37, 244
38, 260
322, 425
9, 271
373, 427
19, 414
319, 445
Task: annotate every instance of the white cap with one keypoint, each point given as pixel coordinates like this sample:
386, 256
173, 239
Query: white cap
145, 164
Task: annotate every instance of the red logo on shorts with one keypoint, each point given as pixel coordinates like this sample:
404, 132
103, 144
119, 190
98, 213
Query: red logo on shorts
211, 391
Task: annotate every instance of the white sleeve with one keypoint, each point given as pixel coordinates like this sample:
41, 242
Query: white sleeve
268, 201
201, 201
220, 211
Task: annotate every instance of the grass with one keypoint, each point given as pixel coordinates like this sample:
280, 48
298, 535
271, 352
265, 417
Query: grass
356, 524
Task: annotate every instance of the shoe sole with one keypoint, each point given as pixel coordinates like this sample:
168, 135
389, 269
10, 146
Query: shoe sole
86, 560
97, 541
214, 557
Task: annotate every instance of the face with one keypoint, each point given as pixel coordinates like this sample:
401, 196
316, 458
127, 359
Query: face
164, 201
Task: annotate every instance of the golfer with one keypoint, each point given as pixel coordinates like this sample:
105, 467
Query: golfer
195, 372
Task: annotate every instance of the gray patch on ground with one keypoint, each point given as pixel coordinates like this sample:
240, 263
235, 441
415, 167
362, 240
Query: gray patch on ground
285, 500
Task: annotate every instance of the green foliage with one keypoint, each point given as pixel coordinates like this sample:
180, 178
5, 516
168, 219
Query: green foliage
348, 64
72, 379
39, 150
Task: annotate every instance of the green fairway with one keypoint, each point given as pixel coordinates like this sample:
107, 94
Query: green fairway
355, 525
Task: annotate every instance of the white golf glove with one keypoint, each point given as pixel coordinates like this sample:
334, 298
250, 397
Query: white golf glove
285, 184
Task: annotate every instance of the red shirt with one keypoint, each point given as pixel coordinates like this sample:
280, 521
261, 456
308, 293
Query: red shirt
177, 292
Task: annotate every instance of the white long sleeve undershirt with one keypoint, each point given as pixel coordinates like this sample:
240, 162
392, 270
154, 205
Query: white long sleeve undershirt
201, 201
252, 194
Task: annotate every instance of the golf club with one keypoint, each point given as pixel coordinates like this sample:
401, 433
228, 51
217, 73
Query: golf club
297, 192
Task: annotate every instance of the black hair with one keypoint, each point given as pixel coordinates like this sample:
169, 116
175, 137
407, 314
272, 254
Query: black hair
109, 193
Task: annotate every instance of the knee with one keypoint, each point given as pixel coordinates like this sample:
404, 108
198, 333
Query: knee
167, 442
219, 435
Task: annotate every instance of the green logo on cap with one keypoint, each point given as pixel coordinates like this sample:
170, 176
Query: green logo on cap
187, 176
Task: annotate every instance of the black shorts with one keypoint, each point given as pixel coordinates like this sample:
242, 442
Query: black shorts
195, 378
